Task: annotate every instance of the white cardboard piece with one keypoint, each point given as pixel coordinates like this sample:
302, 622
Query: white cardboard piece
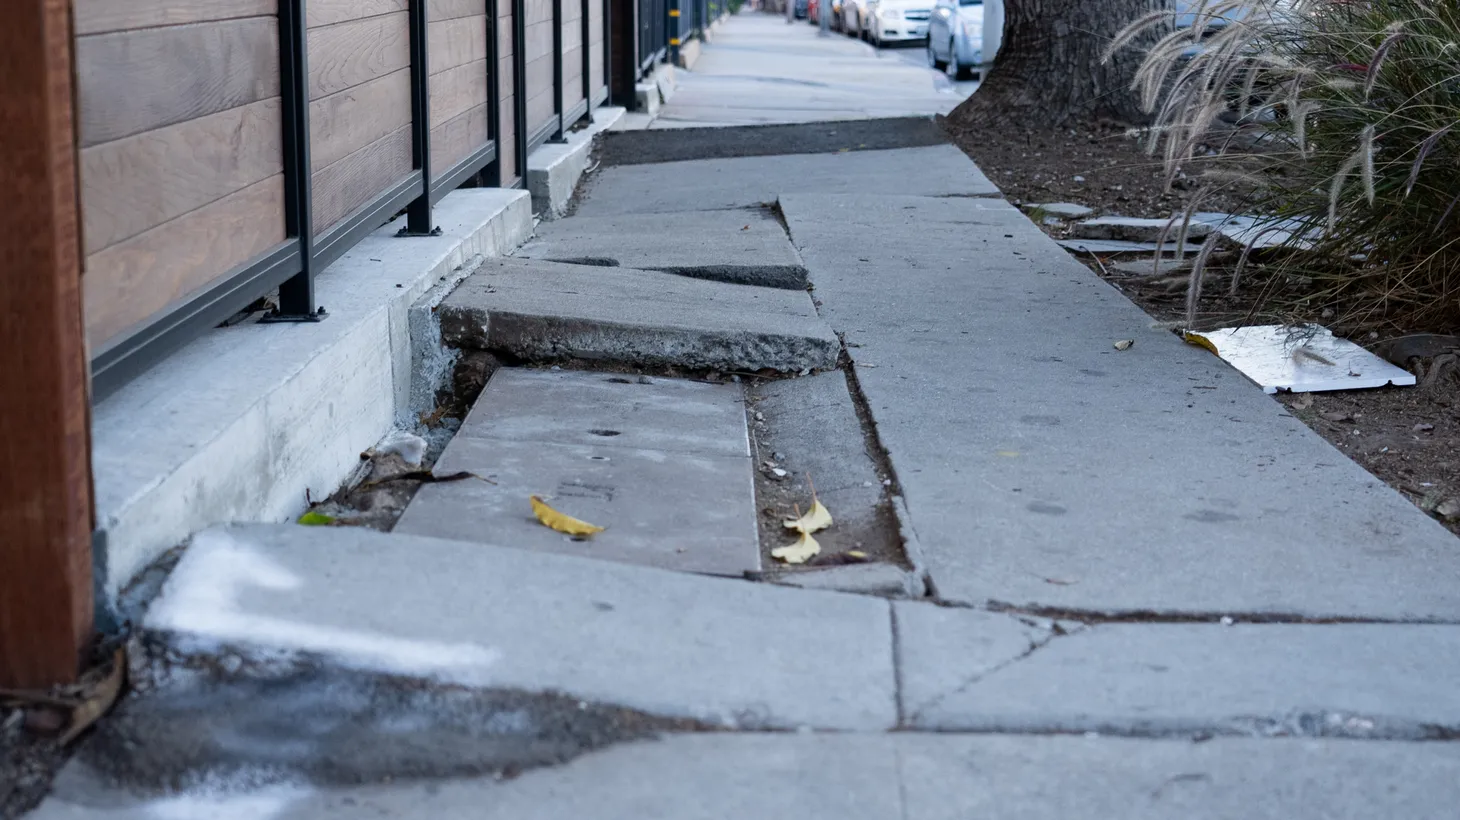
1302, 359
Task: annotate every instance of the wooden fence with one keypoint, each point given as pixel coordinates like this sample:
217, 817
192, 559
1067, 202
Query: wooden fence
229, 147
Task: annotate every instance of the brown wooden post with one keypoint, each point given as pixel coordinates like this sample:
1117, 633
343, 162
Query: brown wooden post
45, 476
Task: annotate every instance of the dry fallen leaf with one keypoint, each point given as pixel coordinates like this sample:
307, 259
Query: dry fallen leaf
98, 700
815, 520
1124, 344
566, 524
1303, 402
800, 552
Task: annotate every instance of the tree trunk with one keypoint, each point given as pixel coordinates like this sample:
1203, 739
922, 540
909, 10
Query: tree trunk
1048, 71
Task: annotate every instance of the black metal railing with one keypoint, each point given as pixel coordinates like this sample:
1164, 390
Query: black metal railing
292, 265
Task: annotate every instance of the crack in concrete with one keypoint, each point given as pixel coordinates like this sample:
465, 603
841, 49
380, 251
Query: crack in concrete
1162, 616
1034, 646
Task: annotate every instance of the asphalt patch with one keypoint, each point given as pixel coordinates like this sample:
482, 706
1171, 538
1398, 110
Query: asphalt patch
680, 144
329, 727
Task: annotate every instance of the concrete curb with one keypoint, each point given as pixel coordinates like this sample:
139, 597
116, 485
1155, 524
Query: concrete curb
248, 422
553, 170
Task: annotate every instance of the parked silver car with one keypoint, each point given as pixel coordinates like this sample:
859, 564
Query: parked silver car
955, 37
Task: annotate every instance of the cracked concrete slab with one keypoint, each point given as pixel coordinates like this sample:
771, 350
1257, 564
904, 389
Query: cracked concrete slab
940, 649
664, 643
545, 311
1042, 468
689, 512
595, 408
962, 670
711, 184
663, 464
744, 246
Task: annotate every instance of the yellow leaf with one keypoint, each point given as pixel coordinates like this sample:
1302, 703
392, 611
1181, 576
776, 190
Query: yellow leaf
1199, 340
800, 552
314, 519
565, 524
813, 521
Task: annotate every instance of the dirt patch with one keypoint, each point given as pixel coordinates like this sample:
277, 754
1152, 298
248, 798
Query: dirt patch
1409, 437
1098, 167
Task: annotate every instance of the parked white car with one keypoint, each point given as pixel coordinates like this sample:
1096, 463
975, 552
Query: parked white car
895, 21
955, 38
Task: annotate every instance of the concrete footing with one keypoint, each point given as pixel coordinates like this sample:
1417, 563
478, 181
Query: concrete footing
250, 422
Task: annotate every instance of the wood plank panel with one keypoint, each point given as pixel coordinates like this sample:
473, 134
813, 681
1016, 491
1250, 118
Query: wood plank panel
539, 11
134, 81
347, 54
456, 138
457, 90
343, 123
328, 12
539, 40
132, 281
98, 16
448, 9
504, 37
139, 182
345, 186
451, 43
45, 474
595, 65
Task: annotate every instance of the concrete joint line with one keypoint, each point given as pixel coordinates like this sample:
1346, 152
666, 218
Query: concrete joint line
897, 682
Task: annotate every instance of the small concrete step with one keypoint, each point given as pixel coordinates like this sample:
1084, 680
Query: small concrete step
746, 246
668, 644
546, 311
664, 464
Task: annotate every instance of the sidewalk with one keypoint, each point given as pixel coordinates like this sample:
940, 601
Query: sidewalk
761, 70
1123, 583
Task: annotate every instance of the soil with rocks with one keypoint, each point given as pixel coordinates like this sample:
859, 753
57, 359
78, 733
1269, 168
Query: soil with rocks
1408, 437
29, 760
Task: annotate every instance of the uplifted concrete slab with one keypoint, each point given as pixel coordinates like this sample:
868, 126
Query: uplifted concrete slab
664, 466
872, 777
665, 643
960, 671
546, 311
1044, 468
612, 409
745, 246
721, 142
939, 170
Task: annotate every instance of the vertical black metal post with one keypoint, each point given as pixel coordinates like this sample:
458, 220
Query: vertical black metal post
608, 53
418, 213
673, 28
519, 88
558, 109
296, 294
492, 174
587, 29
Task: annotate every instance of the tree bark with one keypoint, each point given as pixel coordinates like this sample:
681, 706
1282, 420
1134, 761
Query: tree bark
1048, 72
